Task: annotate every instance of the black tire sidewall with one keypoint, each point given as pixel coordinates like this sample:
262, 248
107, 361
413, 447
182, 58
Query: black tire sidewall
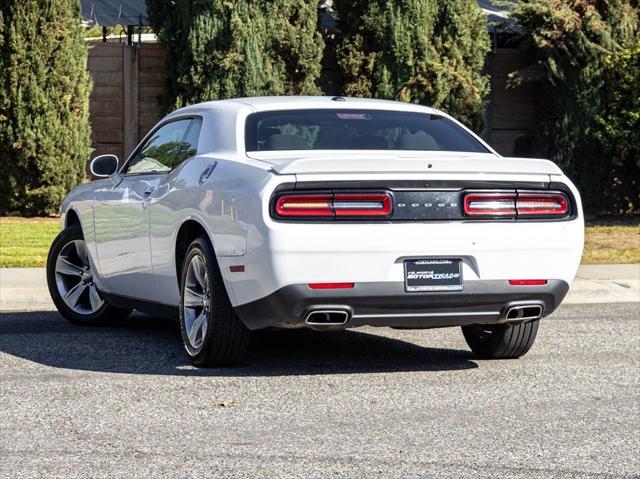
505, 341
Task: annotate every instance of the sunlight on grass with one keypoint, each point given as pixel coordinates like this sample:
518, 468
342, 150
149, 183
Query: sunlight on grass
609, 244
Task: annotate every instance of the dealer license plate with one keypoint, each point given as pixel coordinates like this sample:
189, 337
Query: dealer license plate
432, 274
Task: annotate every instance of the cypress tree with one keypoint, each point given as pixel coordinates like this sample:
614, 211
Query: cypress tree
430, 52
218, 49
44, 97
584, 56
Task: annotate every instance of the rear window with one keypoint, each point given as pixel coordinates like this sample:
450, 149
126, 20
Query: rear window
356, 130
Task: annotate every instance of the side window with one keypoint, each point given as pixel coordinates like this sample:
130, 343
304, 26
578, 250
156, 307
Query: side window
160, 152
189, 145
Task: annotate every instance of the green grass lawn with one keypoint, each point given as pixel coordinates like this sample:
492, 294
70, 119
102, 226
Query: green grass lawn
25, 242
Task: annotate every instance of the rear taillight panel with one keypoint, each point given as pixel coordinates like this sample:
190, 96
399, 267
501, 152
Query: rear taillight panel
517, 205
334, 205
422, 205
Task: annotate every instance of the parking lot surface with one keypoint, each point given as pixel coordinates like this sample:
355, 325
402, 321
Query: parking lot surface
124, 402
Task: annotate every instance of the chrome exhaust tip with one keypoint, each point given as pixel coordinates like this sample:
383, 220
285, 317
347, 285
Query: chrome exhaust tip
327, 318
523, 312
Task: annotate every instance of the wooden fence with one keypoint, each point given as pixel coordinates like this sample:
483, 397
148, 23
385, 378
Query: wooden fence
128, 83
127, 87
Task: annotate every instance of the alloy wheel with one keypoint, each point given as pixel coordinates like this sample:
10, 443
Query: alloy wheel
74, 279
196, 301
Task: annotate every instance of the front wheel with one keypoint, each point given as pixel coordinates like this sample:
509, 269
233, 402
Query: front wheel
212, 333
70, 278
501, 341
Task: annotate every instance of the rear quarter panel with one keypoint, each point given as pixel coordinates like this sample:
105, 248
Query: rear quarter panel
228, 206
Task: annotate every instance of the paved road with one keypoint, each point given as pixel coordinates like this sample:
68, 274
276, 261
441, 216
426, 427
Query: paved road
105, 402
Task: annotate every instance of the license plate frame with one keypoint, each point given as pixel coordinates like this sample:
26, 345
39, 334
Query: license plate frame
432, 274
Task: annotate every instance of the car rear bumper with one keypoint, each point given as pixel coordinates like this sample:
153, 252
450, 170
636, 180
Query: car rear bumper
368, 253
387, 304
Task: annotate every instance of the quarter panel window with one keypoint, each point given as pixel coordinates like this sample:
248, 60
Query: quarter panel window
189, 145
162, 151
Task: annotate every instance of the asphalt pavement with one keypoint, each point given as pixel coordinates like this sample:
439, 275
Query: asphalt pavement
124, 402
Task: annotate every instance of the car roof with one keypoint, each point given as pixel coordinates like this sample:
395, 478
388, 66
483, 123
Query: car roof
267, 103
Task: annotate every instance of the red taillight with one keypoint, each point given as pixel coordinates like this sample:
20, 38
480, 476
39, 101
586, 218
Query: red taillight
529, 204
527, 282
305, 205
490, 204
330, 285
334, 205
516, 205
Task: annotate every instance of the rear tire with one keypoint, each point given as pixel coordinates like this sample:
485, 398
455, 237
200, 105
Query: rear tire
501, 341
70, 281
212, 333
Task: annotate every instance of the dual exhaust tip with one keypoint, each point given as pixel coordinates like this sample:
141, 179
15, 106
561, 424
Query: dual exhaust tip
324, 319
523, 312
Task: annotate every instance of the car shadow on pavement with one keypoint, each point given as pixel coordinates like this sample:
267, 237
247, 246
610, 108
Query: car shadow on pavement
148, 345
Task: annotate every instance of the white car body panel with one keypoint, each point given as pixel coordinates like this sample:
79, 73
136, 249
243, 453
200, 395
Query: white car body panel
132, 235
306, 253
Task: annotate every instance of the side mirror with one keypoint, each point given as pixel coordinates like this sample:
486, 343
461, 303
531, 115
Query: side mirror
104, 166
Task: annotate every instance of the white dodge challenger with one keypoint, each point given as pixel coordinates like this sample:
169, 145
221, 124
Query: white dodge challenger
318, 212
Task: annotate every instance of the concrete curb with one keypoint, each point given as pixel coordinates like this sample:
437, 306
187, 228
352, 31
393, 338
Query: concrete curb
605, 283
25, 289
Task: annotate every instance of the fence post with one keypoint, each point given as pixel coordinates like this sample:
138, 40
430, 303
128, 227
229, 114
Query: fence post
130, 98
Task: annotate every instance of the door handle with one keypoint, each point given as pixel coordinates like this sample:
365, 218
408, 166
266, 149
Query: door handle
149, 189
